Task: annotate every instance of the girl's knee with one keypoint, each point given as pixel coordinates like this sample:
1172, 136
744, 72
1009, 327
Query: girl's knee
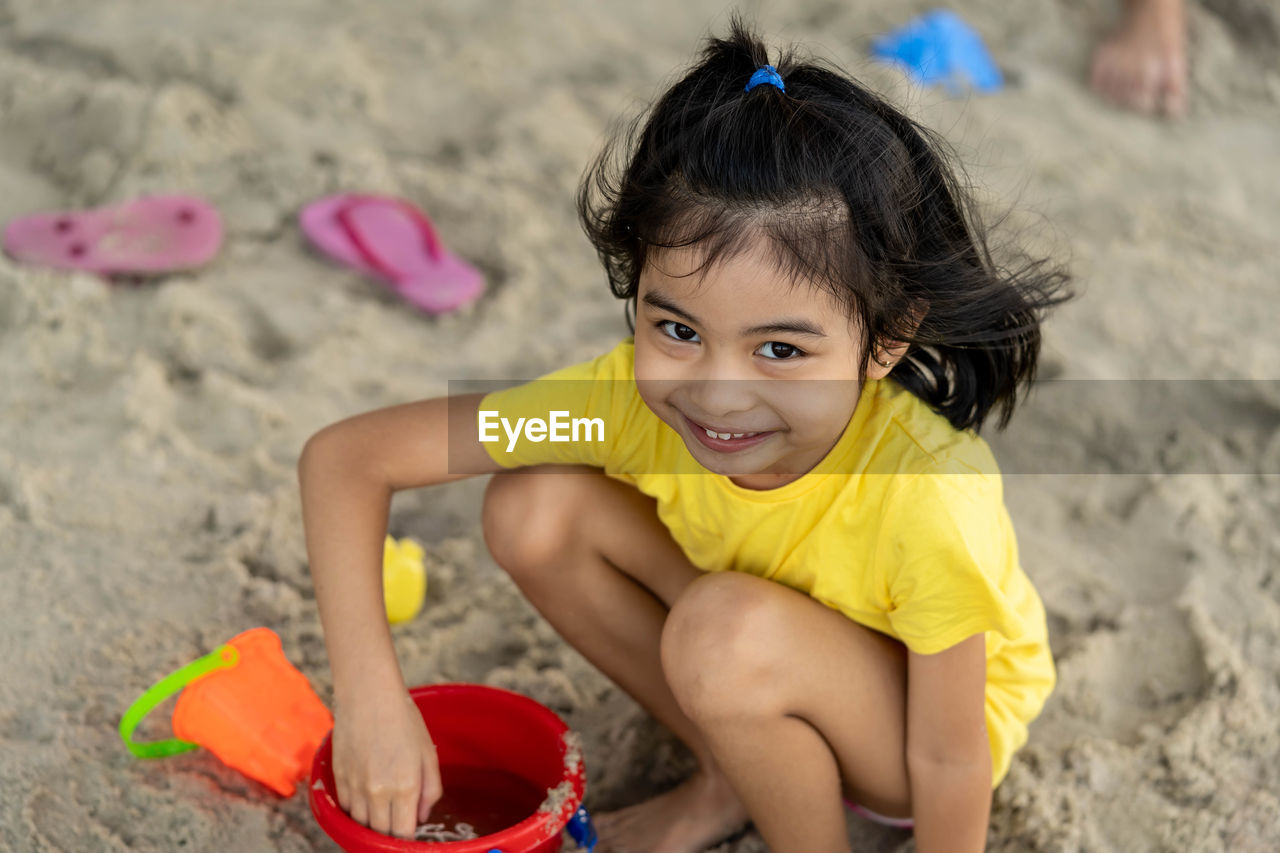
527, 519
723, 643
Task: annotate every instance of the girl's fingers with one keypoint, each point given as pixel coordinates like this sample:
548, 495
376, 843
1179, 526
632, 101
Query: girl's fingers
404, 823
359, 810
431, 790
424, 806
380, 814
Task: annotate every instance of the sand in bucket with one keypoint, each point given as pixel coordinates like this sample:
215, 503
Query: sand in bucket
479, 801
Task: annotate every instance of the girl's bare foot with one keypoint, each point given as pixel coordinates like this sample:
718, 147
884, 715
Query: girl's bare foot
687, 819
1143, 65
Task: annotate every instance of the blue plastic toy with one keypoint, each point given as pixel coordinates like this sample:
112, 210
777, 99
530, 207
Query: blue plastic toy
940, 47
582, 831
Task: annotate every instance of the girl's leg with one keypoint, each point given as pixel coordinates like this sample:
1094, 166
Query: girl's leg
797, 703
591, 555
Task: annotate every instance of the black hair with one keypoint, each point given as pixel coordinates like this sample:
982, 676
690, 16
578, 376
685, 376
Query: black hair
852, 195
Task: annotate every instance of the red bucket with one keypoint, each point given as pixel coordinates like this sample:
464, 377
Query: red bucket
505, 760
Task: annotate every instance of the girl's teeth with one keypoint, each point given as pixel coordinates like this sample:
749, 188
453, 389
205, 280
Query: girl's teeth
725, 436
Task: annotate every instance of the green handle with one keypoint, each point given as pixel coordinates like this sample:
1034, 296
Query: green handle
223, 657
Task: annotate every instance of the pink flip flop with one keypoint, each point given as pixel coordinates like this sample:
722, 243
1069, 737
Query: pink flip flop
392, 240
153, 234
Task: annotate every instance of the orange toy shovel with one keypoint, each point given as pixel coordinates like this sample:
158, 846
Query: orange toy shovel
246, 704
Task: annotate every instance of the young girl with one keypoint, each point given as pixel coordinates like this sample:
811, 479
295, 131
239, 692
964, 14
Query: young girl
767, 516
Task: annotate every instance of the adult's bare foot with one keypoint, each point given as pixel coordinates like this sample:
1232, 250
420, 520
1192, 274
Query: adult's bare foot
687, 819
1142, 65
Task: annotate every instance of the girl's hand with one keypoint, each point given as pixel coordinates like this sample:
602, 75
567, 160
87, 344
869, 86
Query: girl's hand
384, 764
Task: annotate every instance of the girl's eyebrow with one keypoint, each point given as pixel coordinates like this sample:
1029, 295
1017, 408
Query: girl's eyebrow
662, 303
781, 327
786, 327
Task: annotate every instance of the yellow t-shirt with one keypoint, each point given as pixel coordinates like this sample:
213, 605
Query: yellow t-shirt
901, 527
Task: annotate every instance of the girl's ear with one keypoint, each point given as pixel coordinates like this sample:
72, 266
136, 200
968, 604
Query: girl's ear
885, 357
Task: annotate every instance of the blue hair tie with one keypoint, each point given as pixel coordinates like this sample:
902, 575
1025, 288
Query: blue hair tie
766, 74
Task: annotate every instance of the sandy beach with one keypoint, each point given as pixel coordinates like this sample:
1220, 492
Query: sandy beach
149, 431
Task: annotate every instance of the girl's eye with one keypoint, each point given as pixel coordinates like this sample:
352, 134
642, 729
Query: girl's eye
679, 331
777, 351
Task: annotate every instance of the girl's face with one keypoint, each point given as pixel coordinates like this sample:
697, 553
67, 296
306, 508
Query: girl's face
767, 367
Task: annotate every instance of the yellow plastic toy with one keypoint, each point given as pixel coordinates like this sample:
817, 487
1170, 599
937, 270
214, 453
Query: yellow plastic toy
404, 579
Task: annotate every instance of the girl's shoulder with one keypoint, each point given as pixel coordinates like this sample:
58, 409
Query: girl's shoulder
912, 439
617, 363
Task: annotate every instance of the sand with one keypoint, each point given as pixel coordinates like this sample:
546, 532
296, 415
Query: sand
148, 506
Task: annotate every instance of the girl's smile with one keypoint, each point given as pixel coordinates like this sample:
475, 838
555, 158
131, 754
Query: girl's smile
757, 373
726, 440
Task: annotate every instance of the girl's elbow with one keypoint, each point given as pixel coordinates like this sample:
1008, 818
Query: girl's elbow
969, 751
321, 451
956, 761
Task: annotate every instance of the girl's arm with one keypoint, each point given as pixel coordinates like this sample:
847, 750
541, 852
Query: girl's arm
384, 763
948, 756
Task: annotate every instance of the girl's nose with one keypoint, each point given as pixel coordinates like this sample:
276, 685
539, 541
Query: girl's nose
721, 389
723, 398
